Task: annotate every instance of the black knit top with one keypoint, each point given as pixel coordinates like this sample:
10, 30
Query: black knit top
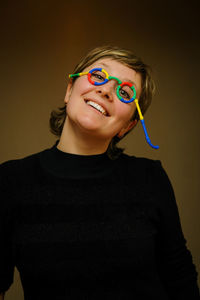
87, 227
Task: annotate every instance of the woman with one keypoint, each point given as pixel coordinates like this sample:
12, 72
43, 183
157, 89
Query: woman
82, 220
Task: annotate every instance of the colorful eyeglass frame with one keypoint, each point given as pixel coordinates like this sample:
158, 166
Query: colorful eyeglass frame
107, 78
120, 85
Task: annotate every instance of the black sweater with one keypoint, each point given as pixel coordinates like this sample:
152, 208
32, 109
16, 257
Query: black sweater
86, 227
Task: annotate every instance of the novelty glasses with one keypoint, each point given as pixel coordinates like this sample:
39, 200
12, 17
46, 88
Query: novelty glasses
125, 91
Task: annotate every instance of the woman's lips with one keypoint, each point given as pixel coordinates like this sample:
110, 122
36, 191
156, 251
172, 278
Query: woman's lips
97, 106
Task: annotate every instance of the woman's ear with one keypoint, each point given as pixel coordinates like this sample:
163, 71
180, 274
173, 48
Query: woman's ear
68, 91
126, 129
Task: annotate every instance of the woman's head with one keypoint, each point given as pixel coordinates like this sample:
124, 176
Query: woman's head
124, 57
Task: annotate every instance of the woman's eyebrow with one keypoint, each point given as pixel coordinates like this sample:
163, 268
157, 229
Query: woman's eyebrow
129, 81
104, 64
125, 79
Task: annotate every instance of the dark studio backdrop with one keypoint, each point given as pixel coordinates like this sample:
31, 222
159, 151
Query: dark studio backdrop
41, 41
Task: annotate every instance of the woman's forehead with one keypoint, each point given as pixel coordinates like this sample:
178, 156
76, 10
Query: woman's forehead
109, 63
118, 69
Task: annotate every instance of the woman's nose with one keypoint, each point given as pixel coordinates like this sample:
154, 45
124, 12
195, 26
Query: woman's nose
107, 90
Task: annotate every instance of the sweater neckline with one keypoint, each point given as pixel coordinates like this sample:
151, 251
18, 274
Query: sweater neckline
68, 165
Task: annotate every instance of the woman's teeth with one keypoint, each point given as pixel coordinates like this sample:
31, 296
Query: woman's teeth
97, 106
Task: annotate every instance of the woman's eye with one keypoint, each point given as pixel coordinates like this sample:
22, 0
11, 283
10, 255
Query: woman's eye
124, 94
98, 76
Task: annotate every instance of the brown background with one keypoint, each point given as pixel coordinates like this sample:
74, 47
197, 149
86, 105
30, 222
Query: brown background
41, 41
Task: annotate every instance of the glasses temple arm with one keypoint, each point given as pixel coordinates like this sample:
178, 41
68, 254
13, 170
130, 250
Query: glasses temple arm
143, 125
78, 74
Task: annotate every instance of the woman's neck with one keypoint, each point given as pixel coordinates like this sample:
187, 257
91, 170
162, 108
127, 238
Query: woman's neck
78, 142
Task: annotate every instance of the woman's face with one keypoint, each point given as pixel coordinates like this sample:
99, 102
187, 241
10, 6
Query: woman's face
114, 117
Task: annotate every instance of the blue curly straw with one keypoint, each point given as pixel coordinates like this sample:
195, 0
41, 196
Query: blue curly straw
143, 125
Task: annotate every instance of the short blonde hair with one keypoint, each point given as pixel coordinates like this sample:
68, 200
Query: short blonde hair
127, 58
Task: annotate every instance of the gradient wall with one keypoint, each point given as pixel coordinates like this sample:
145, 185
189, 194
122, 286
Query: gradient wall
41, 41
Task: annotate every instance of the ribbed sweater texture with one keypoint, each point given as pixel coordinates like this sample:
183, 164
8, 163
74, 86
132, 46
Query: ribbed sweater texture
90, 228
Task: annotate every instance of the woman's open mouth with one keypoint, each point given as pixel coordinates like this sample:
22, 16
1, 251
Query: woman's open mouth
98, 107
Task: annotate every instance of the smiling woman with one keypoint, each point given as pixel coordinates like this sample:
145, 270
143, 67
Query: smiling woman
126, 60
96, 130
82, 220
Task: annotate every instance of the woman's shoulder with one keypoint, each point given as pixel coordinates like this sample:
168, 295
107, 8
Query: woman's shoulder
148, 174
15, 163
142, 163
24, 166
143, 169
